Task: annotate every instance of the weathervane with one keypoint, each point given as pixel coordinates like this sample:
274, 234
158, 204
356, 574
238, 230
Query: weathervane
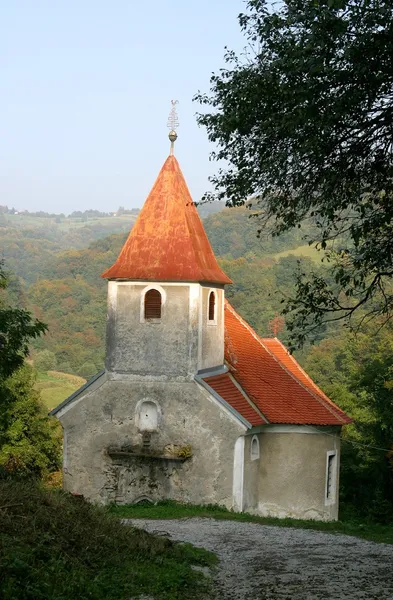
173, 124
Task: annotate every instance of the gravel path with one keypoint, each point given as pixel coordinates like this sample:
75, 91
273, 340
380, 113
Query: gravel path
258, 562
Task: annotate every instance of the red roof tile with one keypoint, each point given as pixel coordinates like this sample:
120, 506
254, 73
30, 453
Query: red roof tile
224, 387
278, 350
168, 241
276, 384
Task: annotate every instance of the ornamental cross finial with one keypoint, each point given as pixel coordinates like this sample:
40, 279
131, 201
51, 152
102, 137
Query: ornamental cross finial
173, 124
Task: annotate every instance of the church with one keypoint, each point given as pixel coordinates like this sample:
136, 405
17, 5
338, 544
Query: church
192, 404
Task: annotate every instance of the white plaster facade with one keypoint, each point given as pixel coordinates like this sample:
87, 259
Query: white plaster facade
126, 430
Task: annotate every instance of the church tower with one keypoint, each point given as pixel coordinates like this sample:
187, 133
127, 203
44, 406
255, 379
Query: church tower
166, 289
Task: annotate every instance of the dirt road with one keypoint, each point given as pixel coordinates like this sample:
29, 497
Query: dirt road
258, 562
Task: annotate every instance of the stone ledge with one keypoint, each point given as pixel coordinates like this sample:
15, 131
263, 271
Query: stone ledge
124, 454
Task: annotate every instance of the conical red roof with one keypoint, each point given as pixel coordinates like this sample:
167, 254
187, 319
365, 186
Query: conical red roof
168, 241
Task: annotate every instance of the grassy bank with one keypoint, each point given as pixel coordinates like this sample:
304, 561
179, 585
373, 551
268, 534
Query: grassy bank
55, 387
54, 546
172, 510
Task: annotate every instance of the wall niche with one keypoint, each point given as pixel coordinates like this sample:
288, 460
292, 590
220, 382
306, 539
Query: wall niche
148, 416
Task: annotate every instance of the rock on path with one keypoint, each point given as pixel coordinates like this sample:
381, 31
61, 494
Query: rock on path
259, 562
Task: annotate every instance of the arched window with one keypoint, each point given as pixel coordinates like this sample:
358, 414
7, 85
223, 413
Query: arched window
152, 304
254, 448
212, 306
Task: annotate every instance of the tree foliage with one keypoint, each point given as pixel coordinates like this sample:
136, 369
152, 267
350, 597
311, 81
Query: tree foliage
17, 328
305, 120
357, 373
29, 444
30, 441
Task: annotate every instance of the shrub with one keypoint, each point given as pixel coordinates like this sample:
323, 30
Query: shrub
87, 370
45, 361
55, 546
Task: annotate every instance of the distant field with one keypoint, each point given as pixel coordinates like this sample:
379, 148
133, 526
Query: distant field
305, 250
121, 223
56, 387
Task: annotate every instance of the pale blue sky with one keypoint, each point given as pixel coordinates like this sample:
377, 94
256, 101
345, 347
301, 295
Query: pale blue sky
85, 92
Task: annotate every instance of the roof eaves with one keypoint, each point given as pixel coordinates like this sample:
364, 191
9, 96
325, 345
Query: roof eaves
77, 393
320, 399
212, 371
337, 414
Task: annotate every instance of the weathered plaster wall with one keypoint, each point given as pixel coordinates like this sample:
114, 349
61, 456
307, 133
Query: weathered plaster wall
212, 343
188, 415
292, 474
167, 346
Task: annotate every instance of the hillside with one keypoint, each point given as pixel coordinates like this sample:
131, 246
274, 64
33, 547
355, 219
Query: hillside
56, 546
235, 232
66, 291
28, 242
58, 260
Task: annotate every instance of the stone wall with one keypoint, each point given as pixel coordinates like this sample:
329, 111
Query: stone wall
212, 344
292, 473
108, 458
154, 347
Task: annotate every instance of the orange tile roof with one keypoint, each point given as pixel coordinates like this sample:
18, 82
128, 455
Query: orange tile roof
168, 241
278, 350
224, 387
275, 383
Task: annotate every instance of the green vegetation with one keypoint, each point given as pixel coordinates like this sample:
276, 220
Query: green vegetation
54, 387
303, 121
68, 293
303, 250
29, 440
29, 242
357, 373
172, 510
55, 546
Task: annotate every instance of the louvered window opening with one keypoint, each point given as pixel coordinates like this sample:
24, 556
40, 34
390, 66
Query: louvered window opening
212, 306
153, 304
330, 474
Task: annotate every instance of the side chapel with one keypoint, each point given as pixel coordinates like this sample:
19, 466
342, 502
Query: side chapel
192, 404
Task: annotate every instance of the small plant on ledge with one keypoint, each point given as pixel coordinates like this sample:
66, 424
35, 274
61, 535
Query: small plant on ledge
179, 451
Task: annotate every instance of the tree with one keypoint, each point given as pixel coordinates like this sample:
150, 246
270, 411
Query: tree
29, 444
305, 121
87, 370
357, 373
17, 328
45, 361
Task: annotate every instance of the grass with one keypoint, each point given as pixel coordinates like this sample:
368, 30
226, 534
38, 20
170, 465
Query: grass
54, 546
304, 250
55, 387
121, 222
172, 510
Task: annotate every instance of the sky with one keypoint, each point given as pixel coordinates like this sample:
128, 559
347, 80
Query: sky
85, 91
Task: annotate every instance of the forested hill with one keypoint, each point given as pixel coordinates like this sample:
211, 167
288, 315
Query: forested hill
30, 240
64, 287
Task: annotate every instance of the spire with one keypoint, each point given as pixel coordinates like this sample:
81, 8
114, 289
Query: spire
168, 241
173, 124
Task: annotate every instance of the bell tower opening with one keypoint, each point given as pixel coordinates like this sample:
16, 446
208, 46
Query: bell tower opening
212, 306
153, 303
